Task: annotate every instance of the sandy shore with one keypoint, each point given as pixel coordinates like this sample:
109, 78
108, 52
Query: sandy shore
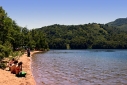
6, 78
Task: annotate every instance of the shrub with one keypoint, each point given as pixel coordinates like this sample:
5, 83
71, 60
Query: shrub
2, 65
4, 52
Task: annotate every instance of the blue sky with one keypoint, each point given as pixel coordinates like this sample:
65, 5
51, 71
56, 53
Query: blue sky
39, 13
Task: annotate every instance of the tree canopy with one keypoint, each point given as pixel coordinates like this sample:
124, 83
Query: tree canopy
87, 36
13, 37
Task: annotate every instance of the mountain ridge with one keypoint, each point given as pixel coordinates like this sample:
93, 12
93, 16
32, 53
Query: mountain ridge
120, 23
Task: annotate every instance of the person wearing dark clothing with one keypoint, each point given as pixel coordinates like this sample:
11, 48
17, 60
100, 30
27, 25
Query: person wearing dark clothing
28, 52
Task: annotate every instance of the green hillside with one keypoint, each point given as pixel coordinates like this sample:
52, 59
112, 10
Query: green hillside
92, 36
120, 23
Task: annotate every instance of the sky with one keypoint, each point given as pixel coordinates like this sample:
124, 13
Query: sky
39, 13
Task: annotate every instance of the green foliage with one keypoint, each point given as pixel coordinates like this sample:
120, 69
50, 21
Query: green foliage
14, 54
87, 36
2, 66
4, 52
14, 37
120, 23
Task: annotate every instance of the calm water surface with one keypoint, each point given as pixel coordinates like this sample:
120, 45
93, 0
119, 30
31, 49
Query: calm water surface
80, 67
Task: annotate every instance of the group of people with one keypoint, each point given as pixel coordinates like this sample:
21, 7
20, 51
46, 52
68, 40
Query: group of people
16, 68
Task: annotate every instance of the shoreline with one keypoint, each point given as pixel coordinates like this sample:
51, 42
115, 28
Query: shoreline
32, 54
6, 78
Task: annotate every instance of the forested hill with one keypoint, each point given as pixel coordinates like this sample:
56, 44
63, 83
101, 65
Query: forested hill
87, 36
120, 23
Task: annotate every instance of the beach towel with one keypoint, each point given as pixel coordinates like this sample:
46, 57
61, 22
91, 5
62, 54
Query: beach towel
21, 74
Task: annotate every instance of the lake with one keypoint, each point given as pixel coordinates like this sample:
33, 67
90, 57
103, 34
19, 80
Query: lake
80, 67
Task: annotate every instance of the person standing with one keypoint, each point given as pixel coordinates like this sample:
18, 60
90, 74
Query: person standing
28, 52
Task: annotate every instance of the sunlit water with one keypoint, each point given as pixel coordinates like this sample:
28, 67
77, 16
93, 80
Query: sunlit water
80, 67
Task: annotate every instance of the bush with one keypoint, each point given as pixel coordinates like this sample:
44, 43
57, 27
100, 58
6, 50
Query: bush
1, 56
4, 52
2, 65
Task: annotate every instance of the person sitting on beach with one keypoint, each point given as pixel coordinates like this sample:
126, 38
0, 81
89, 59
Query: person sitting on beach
11, 63
19, 72
13, 67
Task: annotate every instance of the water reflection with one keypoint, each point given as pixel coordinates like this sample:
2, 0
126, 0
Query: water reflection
80, 67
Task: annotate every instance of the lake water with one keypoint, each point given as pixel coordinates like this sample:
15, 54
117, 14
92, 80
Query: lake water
80, 67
